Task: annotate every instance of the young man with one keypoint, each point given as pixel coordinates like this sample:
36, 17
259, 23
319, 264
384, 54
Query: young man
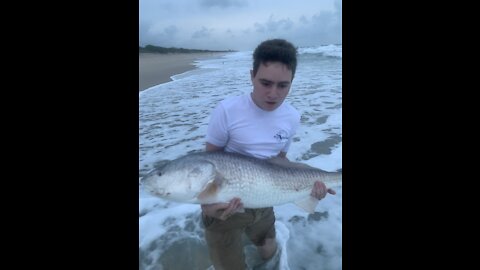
258, 124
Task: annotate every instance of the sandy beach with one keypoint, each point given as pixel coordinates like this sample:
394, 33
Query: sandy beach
156, 68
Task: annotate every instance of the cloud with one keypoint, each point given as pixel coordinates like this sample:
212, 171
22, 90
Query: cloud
283, 24
272, 25
259, 28
202, 33
170, 31
223, 3
230, 33
304, 19
238, 24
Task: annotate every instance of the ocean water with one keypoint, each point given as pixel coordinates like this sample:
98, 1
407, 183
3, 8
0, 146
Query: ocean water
173, 122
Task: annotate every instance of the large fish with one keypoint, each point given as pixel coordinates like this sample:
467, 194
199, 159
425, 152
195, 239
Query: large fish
211, 177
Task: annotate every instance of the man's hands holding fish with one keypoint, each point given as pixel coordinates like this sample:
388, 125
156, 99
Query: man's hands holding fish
319, 190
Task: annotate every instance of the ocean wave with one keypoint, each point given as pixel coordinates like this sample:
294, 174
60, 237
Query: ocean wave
331, 50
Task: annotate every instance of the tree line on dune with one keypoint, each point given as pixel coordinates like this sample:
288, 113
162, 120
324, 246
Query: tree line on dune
158, 49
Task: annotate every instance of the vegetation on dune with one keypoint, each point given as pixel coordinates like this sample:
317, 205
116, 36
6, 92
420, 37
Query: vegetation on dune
157, 49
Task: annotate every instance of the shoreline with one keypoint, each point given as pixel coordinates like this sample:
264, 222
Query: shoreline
156, 68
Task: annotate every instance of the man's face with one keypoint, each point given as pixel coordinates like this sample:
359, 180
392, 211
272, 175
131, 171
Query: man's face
271, 85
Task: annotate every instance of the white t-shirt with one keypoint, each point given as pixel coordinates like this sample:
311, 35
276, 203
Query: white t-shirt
240, 126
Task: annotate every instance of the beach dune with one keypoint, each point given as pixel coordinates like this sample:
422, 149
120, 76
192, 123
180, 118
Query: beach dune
156, 68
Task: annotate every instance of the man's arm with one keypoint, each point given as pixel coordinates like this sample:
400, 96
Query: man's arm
210, 147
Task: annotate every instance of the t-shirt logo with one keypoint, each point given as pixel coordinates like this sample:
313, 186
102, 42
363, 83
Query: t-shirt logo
281, 136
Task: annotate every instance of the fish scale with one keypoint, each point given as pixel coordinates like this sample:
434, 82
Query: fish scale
210, 177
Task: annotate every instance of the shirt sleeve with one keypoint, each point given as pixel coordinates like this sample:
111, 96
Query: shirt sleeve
217, 131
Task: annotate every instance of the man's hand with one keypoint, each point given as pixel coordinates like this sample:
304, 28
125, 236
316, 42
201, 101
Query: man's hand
222, 210
319, 190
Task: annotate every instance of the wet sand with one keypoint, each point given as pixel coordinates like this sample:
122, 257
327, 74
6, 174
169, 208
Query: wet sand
156, 68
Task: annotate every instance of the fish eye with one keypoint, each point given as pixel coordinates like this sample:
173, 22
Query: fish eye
159, 173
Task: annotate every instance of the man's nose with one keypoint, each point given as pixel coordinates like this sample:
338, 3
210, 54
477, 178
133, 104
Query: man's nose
273, 92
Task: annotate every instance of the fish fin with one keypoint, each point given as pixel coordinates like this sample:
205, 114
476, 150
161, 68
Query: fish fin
212, 188
308, 204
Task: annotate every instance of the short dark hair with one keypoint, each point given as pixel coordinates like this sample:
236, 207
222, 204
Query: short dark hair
275, 50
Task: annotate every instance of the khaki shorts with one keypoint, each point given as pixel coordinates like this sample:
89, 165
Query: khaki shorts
224, 238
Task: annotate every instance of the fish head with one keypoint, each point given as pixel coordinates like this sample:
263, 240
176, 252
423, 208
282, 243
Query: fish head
179, 180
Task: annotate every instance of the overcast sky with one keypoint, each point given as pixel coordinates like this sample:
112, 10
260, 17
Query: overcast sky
238, 24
